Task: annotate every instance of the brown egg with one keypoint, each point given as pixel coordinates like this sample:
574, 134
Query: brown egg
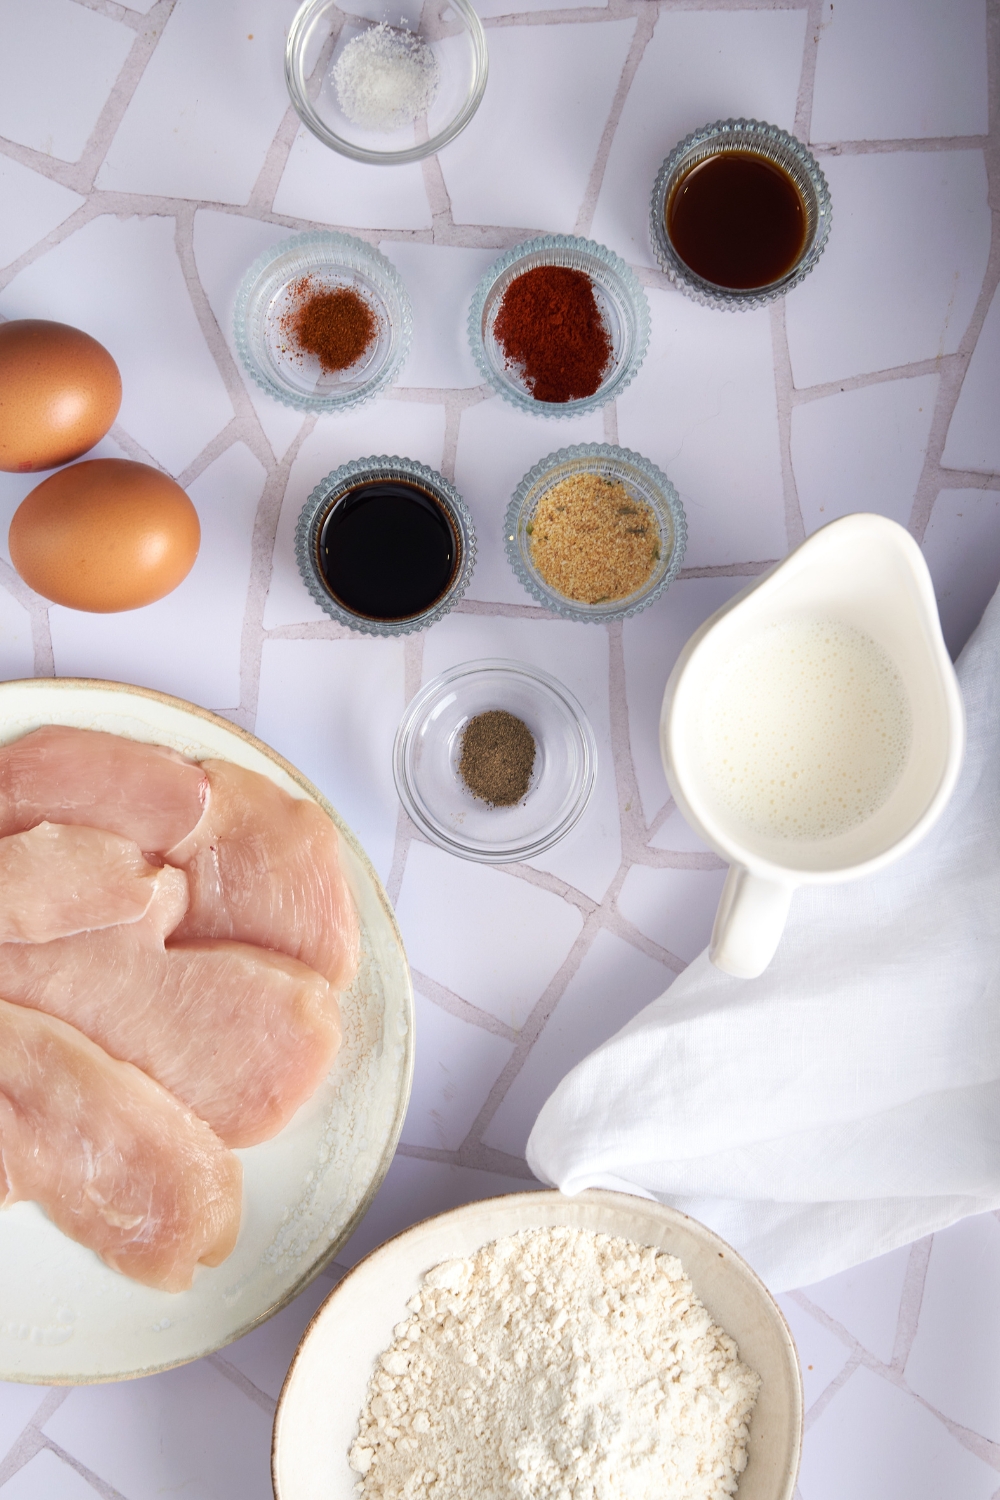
105, 535
60, 391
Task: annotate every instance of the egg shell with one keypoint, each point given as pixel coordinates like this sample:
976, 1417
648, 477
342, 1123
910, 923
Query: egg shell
105, 535
60, 391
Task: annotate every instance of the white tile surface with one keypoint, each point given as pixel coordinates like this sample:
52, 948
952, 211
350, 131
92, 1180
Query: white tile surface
457, 1065
207, 105
225, 246
862, 450
653, 641
896, 282
612, 984
705, 410
190, 1431
42, 207
121, 281
676, 833
409, 428
332, 707
440, 280
18, 1406
319, 186
700, 66
962, 548
822, 1355
973, 440
564, 78
16, 651
206, 606
264, 1355
900, 68
675, 908
461, 923
955, 1359
497, 445
874, 1442
53, 107
866, 1300
49, 1476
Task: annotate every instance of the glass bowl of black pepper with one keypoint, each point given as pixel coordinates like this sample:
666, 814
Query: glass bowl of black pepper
559, 326
595, 532
495, 761
322, 322
385, 545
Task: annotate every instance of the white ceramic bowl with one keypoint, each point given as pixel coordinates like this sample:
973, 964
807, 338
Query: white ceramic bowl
324, 1391
66, 1317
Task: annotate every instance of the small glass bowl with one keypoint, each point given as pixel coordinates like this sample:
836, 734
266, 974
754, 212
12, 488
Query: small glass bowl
361, 471
621, 301
428, 749
267, 295
643, 481
320, 31
777, 146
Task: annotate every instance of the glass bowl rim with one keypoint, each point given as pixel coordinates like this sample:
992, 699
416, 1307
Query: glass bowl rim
709, 293
416, 709
297, 33
571, 609
632, 290
314, 510
379, 267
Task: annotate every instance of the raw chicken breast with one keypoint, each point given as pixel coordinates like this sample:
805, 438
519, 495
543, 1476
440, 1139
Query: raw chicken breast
58, 879
264, 868
240, 1035
113, 1159
84, 776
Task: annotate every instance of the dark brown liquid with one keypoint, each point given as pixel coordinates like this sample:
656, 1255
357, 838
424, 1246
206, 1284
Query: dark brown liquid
737, 220
388, 550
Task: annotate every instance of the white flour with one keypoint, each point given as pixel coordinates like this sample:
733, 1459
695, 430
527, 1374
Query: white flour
556, 1365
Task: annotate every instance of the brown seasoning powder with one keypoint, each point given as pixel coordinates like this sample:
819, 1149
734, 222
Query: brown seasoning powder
498, 756
591, 541
337, 326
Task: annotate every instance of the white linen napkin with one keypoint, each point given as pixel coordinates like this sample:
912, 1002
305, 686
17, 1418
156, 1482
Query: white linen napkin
848, 1100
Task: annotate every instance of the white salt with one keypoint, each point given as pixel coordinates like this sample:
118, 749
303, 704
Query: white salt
385, 78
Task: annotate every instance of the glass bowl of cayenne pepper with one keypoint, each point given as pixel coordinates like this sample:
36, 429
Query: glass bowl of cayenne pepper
322, 322
559, 325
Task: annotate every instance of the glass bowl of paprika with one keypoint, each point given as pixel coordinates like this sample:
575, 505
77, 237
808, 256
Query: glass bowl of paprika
322, 322
559, 326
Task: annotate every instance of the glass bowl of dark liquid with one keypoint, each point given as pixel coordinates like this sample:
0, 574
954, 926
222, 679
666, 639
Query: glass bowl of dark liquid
740, 214
385, 545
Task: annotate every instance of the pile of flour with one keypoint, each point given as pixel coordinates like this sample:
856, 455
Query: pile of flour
556, 1364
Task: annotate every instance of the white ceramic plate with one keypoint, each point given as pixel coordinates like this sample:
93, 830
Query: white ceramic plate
323, 1394
65, 1317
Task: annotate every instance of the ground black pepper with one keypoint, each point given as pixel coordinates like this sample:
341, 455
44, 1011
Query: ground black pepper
498, 756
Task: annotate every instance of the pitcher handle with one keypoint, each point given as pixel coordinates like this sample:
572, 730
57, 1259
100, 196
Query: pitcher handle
749, 923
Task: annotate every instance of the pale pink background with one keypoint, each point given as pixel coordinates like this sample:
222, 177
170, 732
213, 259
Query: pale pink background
148, 154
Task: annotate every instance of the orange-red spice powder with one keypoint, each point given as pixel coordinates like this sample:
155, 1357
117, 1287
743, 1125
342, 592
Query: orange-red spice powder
550, 328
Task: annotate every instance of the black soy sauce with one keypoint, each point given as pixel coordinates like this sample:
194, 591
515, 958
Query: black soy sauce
388, 550
737, 220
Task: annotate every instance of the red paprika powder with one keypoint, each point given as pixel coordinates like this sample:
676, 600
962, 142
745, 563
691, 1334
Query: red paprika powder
550, 328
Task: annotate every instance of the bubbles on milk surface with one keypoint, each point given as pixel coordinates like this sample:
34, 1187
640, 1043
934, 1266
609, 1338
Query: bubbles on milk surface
806, 730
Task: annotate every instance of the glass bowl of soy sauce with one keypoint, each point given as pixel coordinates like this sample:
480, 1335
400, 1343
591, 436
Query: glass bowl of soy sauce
385, 545
740, 214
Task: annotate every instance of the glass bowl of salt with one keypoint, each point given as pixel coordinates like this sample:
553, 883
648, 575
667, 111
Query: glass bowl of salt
382, 83
495, 761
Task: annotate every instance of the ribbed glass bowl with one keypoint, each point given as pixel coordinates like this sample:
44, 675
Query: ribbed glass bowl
320, 31
776, 146
643, 481
337, 484
621, 301
428, 749
267, 295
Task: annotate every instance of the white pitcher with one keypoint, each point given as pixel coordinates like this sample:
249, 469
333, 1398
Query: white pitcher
865, 572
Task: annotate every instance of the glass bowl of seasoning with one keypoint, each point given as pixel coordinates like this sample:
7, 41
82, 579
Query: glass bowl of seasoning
385, 545
740, 214
559, 326
495, 761
322, 322
386, 83
595, 532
